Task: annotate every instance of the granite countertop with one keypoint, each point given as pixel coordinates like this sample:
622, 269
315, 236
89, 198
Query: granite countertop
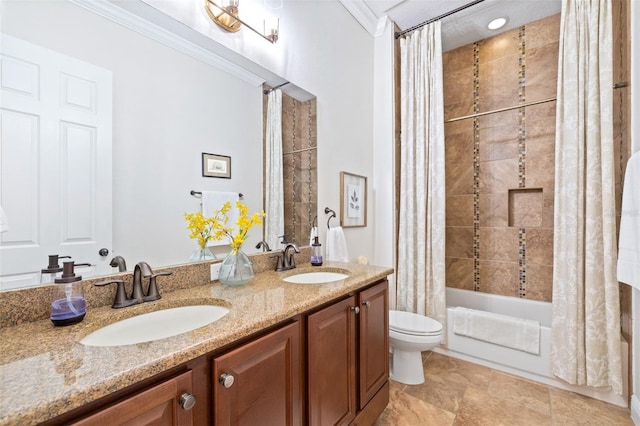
45, 371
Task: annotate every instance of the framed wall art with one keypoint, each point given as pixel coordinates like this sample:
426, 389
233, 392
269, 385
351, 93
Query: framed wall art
214, 165
353, 200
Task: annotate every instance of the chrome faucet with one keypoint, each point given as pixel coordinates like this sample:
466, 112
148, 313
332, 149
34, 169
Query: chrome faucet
119, 262
264, 245
142, 270
288, 260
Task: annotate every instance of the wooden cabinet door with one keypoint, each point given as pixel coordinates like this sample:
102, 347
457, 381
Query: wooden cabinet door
159, 405
263, 379
332, 364
374, 340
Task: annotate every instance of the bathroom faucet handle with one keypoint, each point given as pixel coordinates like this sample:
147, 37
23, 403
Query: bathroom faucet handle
153, 293
280, 256
120, 300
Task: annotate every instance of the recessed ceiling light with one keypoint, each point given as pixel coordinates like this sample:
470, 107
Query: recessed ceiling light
497, 23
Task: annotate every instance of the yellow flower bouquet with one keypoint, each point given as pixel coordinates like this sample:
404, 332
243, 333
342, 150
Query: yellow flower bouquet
236, 269
236, 236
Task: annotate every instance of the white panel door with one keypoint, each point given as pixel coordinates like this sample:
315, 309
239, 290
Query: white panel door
55, 161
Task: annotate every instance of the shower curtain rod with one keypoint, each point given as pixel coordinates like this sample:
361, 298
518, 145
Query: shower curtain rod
619, 85
437, 18
300, 150
267, 91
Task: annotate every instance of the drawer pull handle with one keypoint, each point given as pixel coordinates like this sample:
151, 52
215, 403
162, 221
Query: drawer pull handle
187, 401
226, 380
366, 303
355, 309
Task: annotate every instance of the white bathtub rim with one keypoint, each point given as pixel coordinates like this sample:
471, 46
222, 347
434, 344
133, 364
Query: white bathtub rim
528, 309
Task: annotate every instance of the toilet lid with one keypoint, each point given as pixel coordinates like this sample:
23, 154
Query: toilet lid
414, 324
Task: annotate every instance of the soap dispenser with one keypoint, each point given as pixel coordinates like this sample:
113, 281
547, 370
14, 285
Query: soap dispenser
68, 305
51, 272
316, 252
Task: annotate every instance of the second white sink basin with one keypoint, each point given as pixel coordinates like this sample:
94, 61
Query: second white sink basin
155, 325
315, 277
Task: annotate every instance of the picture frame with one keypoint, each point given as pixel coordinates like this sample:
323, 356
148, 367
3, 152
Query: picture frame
214, 165
353, 200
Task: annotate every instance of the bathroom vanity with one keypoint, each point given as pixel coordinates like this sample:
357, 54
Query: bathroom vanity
284, 354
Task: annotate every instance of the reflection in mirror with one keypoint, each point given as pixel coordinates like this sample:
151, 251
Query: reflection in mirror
167, 108
299, 169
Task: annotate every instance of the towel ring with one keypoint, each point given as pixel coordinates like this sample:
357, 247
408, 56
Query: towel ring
327, 210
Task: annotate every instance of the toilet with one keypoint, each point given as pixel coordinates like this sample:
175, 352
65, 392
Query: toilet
409, 335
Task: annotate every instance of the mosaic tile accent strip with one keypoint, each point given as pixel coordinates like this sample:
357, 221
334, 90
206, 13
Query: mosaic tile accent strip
293, 174
476, 168
522, 262
522, 157
310, 213
521, 112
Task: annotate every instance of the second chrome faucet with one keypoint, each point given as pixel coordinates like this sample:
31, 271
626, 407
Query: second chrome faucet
286, 260
138, 295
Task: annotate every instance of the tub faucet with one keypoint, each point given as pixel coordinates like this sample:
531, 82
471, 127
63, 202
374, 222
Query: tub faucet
119, 262
288, 260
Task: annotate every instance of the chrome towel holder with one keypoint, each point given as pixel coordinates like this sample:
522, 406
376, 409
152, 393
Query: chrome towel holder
327, 210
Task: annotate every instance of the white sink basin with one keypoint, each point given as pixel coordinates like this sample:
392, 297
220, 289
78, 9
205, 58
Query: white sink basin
155, 325
315, 277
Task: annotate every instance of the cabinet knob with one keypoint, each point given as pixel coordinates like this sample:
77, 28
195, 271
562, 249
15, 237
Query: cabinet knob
355, 309
187, 401
226, 380
366, 303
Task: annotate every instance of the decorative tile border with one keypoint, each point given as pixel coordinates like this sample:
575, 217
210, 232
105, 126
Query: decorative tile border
476, 167
522, 157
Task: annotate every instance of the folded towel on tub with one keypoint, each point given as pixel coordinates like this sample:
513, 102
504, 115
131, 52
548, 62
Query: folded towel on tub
503, 330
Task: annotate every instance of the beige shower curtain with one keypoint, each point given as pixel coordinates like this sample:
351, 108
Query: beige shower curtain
586, 313
274, 187
421, 238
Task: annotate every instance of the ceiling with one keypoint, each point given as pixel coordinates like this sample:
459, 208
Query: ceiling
466, 26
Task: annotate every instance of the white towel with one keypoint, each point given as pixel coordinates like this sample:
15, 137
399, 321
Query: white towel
336, 246
213, 200
629, 242
4, 222
503, 330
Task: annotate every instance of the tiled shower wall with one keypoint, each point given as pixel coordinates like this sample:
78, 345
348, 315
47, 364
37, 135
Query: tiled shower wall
300, 172
500, 167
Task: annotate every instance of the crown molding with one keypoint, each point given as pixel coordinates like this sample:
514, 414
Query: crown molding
369, 21
168, 38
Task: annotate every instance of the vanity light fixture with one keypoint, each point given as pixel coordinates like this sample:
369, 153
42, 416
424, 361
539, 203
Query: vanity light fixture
225, 14
497, 23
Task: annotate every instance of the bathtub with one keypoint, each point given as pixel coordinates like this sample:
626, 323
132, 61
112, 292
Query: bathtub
523, 364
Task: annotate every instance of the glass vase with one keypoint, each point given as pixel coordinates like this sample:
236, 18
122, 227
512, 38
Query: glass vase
236, 269
202, 254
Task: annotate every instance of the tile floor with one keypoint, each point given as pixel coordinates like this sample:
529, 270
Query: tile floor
457, 392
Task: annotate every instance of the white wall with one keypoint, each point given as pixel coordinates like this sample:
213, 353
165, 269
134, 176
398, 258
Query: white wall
326, 52
168, 108
384, 153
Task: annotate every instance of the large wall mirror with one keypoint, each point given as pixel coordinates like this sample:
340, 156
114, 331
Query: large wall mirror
163, 110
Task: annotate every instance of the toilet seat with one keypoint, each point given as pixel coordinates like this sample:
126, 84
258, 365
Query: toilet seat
413, 324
